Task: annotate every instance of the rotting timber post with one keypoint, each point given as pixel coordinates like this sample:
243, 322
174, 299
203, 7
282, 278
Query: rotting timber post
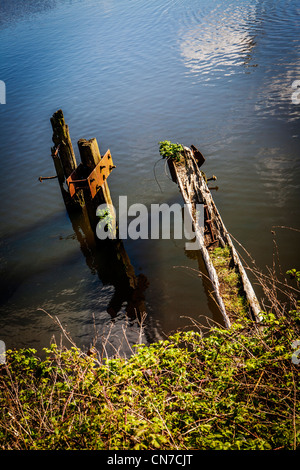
63, 155
86, 183
84, 187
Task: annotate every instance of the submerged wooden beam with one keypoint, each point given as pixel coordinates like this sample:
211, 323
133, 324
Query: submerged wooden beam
193, 187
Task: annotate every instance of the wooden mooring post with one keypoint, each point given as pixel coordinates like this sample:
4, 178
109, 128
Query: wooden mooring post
76, 181
84, 188
63, 155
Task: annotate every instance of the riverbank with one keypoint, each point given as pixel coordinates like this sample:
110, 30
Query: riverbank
232, 389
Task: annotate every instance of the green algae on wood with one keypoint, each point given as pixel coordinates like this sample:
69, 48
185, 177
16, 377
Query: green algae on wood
230, 282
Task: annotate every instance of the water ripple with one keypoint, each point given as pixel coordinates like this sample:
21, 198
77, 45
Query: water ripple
226, 37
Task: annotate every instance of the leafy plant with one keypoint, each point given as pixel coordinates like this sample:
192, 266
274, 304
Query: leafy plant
294, 274
169, 150
231, 389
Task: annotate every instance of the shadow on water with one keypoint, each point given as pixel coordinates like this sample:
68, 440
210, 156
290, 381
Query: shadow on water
108, 258
24, 279
216, 317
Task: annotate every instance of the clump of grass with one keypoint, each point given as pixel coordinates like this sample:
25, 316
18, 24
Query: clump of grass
230, 283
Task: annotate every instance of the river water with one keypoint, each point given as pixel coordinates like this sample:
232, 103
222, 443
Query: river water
131, 73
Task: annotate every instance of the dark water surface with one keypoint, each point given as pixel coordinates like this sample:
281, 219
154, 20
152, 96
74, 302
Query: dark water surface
131, 73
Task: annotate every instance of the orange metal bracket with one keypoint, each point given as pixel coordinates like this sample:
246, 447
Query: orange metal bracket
95, 179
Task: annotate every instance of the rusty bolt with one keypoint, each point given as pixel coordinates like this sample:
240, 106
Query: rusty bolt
213, 178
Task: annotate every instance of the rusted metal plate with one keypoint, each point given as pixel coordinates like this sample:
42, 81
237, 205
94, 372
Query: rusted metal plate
75, 180
100, 173
94, 180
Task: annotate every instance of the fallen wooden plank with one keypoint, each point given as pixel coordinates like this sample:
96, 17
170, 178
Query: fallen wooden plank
231, 285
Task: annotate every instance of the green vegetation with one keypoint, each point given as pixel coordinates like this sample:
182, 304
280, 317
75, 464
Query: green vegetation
169, 150
230, 284
106, 219
294, 274
231, 389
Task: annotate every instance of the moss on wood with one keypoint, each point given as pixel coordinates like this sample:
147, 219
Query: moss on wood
230, 283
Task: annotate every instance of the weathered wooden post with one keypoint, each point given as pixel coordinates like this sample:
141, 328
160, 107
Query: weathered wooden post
63, 156
91, 158
61, 139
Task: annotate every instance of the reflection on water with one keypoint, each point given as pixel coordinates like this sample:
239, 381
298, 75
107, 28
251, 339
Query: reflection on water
276, 175
214, 74
221, 42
